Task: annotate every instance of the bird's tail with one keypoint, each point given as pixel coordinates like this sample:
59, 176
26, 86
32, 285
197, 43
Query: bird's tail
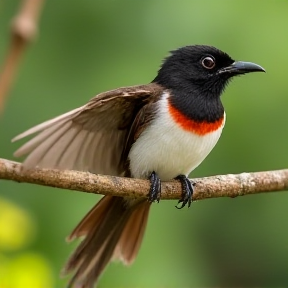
113, 229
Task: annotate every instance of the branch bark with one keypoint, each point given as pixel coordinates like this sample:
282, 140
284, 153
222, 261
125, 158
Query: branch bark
23, 31
230, 185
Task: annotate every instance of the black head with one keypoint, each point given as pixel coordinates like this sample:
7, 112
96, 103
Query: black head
202, 69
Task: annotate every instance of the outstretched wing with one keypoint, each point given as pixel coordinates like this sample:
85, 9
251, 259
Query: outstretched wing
91, 137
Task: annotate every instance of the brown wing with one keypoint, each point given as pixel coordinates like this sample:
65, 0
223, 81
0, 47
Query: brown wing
91, 137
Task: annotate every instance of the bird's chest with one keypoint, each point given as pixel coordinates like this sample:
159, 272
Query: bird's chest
168, 149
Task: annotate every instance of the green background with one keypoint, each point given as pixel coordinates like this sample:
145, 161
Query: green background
86, 47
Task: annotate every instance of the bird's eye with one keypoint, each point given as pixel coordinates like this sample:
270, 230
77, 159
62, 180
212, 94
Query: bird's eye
208, 62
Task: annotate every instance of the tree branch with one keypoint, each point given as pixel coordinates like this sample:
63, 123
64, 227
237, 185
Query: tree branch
208, 187
23, 31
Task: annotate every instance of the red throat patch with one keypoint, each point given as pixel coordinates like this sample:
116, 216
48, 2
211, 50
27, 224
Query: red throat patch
199, 128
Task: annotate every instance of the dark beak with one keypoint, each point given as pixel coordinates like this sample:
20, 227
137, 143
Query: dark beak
241, 67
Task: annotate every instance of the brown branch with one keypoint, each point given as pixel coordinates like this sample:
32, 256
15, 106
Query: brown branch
23, 31
208, 187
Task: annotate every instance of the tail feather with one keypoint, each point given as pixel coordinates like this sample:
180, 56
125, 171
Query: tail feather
82, 229
113, 228
96, 234
132, 235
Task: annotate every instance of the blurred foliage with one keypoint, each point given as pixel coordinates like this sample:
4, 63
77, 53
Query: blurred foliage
28, 269
88, 47
17, 227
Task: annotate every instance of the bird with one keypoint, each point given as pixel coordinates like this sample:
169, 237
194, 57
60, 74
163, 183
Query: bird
157, 131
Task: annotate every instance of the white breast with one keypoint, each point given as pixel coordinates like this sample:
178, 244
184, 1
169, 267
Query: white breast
167, 149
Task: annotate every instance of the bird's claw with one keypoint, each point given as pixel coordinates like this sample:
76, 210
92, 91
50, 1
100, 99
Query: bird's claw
187, 191
155, 188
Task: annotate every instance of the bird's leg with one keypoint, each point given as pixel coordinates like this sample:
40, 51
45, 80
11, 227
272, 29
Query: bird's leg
187, 191
155, 188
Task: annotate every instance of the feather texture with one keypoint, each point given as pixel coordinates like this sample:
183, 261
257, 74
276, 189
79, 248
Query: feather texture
88, 138
114, 228
93, 138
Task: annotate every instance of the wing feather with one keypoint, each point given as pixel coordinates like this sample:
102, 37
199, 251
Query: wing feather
37, 140
41, 155
48, 123
91, 137
80, 164
70, 148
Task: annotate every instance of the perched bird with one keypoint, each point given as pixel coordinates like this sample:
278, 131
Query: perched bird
162, 130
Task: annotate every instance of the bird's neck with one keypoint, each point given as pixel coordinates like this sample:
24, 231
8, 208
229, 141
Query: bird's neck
197, 106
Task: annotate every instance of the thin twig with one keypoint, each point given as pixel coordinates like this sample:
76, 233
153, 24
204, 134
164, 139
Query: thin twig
208, 187
23, 30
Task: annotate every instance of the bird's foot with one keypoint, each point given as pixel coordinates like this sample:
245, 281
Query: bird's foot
155, 188
187, 191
